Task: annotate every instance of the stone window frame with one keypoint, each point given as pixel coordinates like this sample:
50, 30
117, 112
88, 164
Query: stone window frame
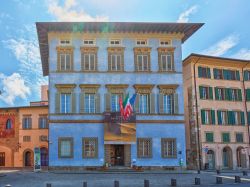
114, 89
225, 132
140, 153
145, 89
90, 89
26, 138
116, 51
168, 89
43, 117
29, 117
142, 51
95, 139
65, 89
71, 147
89, 50
166, 51
168, 140
65, 50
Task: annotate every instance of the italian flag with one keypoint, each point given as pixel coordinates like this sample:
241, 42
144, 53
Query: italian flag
126, 107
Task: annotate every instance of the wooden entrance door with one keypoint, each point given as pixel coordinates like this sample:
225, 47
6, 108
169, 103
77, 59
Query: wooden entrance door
118, 155
2, 159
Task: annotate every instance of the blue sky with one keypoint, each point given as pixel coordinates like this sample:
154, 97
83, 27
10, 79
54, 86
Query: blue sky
225, 33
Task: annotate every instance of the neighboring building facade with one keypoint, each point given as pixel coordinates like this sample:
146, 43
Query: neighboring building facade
216, 103
91, 65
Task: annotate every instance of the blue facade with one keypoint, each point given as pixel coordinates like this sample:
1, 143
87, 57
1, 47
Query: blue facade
156, 131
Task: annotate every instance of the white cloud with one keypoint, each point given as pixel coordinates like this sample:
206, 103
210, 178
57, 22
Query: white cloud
13, 86
223, 46
184, 16
68, 12
242, 54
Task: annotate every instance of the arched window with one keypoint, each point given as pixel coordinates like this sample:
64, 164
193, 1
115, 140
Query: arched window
8, 124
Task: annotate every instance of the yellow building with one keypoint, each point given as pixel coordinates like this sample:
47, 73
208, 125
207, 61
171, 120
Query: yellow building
216, 112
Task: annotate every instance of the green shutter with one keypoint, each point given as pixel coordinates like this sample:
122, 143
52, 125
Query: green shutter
208, 73
237, 75
216, 93
242, 118
225, 74
239, 95
233, 117
219, 117
213, 117
210, 93
215, 73
199, 71
245, 76
209, 137
230, 116
248, 118
248, 94
200, 90
228, 94
203, 117
225, 137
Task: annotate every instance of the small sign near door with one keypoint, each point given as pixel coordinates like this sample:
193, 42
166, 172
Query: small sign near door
37, 159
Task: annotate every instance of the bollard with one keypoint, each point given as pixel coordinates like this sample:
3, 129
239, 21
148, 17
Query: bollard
197, 181
146, 183
244, 173
218, 172
116, 183
218, 180
85, 184
173, 182
237, 179
48, 185
198, 171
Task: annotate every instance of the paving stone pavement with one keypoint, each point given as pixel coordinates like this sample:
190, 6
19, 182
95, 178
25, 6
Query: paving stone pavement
161, 179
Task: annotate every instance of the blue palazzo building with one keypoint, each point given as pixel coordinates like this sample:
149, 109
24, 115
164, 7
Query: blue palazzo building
91, 65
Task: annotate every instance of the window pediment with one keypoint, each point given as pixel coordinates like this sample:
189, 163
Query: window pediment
146, 88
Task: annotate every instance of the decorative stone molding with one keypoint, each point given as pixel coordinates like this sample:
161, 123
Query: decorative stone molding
116, 88
167, 89
143, 88
89, 88
67, 88
165, 49
89, 49
65, 49
116, 49
140, 50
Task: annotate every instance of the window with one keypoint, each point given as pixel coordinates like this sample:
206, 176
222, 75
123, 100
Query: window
27, 123
65, 147
167, 62
90, 147
209, 137
8, 124
115, 104
115, 42
65, 63
165, 43
43, 138
88, 62
219, 94
231, 75
222, 117
204, 72
26, 138
236, 118
248, 94
65, 103
246, 75
142, 61
207, 117
206, 92
141, 42
168, 148
88, 42
168, 104
65, 42
43, 123
218, 73
2, 158
239, 137
144, 103
225, 137
89, 102
236, 95
116, 62
144, 147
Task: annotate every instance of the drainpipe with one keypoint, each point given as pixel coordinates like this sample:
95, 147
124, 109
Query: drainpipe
197, 119
246, 109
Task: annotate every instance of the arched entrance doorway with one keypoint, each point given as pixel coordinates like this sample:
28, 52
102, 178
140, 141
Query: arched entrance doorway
241, 157
211, 159
28, 158
227, 158
44, 156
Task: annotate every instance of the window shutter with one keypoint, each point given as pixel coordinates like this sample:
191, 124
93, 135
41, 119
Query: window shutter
200, 90
57, 104
242, 118
39, 123
239, 95
160, 104
82, 95
229, 116
213, 117
97, 103
137, 101
248, 118
248, 94
73, 103
152, 103
199, 71
107, 96
208, 73
237, 75
30, 123
215, 73
109, 62
203, 116
245, 76
122, 62
233, 117
219, 117
23, 122
136, 62
210, 93
229, 94
176, 104
216, 93
225, 74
